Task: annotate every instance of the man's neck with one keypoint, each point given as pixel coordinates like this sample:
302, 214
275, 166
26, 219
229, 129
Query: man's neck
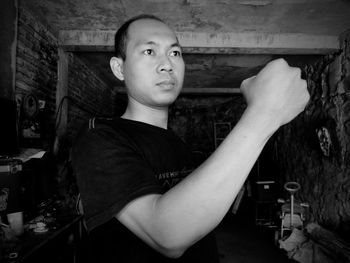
154, 116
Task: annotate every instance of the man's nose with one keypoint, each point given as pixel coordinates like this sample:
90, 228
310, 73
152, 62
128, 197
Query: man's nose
165, 64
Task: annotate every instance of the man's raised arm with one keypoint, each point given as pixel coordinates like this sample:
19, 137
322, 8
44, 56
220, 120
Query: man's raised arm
177, 219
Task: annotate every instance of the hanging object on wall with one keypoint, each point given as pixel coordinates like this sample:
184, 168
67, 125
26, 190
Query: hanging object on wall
324, 139
30, 121
30, 108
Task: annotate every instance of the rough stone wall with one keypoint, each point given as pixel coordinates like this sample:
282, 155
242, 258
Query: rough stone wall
325, 180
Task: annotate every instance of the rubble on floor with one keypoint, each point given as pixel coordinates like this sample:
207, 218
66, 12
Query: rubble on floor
315, 244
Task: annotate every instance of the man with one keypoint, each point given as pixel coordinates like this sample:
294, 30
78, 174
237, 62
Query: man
126, 167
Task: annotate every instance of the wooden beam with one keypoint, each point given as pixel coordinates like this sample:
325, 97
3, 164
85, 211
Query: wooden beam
254, 40
213, 43
210, 91
61, 93
85, 40
8, 46
198, 91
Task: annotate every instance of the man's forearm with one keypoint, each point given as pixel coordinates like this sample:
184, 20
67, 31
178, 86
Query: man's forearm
197, 204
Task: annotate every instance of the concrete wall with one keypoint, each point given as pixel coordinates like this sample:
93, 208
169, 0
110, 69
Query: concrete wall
324, 178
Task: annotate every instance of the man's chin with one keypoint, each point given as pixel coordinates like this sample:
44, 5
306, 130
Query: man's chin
164, 102
168, 97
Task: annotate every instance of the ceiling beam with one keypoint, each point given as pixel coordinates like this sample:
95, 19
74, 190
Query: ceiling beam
198, 91
213, 43
210, 91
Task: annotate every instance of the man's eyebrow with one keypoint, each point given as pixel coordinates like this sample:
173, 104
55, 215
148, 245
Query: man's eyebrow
149, 43
176, 44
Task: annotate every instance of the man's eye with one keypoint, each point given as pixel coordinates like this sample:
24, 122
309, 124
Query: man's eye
175, 53
148, 52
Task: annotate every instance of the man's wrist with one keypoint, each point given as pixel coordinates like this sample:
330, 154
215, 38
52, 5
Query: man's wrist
261, 120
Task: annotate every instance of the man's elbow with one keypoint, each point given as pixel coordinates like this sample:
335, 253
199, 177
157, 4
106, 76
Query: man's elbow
171, 247
171, 252
173, 244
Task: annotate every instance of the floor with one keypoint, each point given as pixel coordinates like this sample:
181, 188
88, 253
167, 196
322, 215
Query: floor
241, 241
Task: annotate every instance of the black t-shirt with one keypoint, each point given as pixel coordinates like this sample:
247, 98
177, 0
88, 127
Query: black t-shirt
116, 161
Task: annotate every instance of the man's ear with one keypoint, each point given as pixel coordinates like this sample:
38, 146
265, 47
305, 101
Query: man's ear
117, 67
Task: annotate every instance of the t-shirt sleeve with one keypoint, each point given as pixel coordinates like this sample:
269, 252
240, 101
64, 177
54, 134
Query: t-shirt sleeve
110, 173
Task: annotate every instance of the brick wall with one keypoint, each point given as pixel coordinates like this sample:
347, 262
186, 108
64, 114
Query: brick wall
36, 65
90, 95
36, 73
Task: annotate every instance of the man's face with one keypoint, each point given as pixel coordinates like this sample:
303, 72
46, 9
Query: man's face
154, 68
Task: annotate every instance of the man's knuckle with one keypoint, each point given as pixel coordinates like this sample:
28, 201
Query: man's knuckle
297, 71
282, 62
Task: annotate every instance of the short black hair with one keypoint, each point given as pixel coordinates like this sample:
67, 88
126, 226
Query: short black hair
120, 39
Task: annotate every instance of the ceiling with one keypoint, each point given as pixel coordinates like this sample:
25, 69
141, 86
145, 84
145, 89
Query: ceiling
225, 41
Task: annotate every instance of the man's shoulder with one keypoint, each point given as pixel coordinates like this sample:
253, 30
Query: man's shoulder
99, 125
96, 130
97, 136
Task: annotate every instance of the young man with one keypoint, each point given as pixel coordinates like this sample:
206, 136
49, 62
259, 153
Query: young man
129, 169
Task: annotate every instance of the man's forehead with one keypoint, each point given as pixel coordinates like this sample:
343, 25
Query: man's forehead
149, 31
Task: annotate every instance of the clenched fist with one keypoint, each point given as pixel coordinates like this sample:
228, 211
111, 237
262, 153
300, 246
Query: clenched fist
277, 91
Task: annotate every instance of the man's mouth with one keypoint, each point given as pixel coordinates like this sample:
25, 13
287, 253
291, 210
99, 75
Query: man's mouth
168, 84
